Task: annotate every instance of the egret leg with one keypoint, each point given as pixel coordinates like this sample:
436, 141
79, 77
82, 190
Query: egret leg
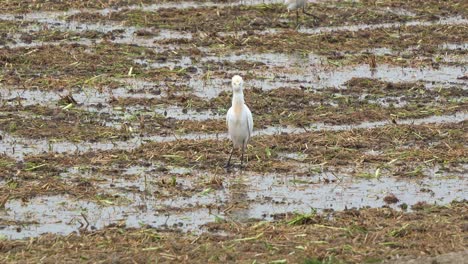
309, 14
242, 156
230, 156
297, 16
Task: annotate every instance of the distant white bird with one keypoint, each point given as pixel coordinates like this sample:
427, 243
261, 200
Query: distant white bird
239, 119
295, 5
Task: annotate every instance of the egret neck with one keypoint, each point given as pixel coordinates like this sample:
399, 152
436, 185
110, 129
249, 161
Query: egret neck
237, 102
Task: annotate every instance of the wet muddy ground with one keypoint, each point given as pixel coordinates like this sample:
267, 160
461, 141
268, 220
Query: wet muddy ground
113, 139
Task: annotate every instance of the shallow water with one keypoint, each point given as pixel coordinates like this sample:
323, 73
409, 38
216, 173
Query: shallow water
247, 195
84, 97
55, 21
352, 28
313, 77
62, 215
19, 147
137, 197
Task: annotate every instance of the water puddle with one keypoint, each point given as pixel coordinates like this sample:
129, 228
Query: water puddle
316, 77
188, 114
243, 197
353, 28
85, 97
38, 15
127, 34
18, 147
18, 43
398, 11
442, 119
188, 4
54, 21
384, 72
97, 102
292, 71
270, 59
63, 215
182, 198
458, 117
454, 46
183, 62
303, 194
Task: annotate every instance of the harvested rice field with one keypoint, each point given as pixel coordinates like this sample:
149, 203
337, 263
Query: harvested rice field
113, 137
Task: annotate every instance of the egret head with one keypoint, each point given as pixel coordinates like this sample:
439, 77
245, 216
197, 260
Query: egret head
237, 83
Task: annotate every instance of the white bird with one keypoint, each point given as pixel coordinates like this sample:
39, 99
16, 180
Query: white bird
295, 5
239, 119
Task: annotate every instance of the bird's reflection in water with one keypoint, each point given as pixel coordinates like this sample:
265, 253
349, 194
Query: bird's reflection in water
239, 206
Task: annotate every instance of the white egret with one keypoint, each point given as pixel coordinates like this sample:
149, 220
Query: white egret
239, 119
295, 5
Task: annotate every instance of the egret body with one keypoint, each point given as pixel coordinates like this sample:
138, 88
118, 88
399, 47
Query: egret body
239, 119
296, 5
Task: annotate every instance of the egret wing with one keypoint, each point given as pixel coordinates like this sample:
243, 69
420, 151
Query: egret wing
249, 122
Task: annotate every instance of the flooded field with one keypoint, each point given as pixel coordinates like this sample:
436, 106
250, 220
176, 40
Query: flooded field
113, 135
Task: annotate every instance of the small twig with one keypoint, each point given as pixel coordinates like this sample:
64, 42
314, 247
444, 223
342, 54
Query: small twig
4, 201
195, 240
334, 175
86, 220
249, 238
310, 14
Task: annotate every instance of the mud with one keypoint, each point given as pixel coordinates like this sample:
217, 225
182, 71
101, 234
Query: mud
388, 230
130, 203
113, 139
18, 147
